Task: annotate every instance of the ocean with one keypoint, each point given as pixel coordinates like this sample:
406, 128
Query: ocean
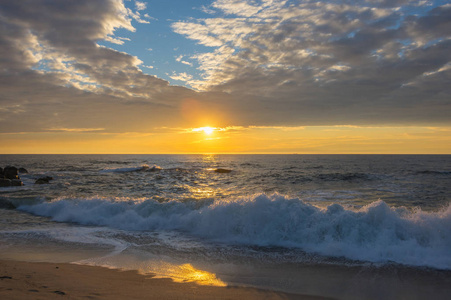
342, 226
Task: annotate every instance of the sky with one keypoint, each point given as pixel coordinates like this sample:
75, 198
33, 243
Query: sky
225, 76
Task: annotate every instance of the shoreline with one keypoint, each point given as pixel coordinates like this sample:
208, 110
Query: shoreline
42, 280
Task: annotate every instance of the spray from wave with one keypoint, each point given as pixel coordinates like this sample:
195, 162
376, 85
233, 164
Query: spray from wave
375, 233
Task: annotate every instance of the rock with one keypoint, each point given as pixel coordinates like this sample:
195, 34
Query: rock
59, 293
5, 182
16, 182
43, 180
222, 170
1, 172
23, 171
11, 172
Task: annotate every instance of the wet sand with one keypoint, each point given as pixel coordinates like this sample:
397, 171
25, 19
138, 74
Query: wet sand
30, 280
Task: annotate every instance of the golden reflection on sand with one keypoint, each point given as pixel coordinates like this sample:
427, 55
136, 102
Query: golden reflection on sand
188, 273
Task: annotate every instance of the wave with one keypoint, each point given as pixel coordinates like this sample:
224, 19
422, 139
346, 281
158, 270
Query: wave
143, 168
375, 233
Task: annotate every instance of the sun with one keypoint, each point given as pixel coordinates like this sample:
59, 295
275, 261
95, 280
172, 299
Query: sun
207, 129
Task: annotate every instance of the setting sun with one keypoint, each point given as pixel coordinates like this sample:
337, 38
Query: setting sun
207, 130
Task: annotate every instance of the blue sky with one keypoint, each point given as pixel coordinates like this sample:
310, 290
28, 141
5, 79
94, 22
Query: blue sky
165, 44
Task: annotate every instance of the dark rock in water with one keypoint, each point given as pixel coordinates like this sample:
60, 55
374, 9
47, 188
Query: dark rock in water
11, 172
1, 172
59, 293
5, 182
5, 204
222, 170
16, 182
23, 171
43, 180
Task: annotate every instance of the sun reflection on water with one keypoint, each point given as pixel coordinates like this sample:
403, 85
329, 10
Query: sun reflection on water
188, 273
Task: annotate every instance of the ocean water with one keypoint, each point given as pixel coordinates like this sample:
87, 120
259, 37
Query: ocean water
283, 222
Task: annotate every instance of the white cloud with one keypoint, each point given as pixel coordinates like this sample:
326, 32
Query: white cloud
207, 10
180, 59
140, 5
137, 16
181, 76
116, 40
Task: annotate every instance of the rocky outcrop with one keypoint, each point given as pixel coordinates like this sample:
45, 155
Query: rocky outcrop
11, 172
9, 176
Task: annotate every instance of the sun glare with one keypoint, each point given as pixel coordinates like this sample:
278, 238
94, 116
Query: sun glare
207, 130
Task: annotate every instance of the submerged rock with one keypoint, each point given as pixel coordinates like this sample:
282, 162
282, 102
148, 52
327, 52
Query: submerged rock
43, 180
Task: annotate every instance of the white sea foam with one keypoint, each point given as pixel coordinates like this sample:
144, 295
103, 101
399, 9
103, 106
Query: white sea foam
375, 233
132, 169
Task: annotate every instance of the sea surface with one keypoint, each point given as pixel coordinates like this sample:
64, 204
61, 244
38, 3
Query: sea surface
331, 225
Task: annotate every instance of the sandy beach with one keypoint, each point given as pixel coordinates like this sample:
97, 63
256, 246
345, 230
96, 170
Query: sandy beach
30, 280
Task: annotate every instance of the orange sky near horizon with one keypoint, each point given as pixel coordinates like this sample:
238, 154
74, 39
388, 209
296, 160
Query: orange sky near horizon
281, 140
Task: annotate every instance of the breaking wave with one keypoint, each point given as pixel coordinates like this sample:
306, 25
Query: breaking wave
143, 168
375, 233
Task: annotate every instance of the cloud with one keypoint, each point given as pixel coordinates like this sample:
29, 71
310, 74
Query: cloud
77, 129
140, 5
324, 62
181, 76
180, 59
137, 16
55, 75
